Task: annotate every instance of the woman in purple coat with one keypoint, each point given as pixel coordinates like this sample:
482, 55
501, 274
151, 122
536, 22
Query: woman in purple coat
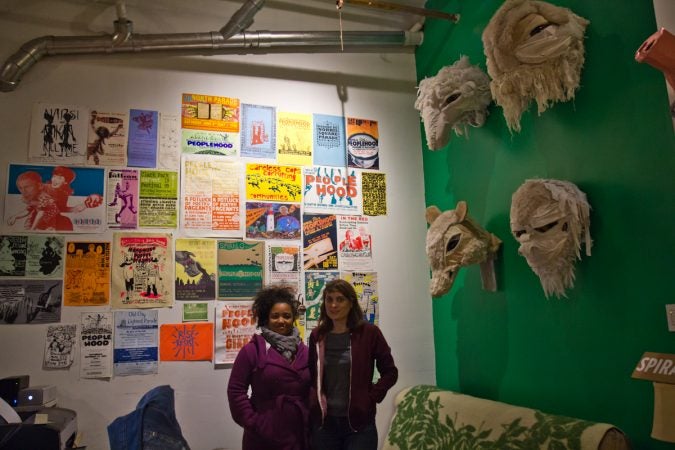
274, 365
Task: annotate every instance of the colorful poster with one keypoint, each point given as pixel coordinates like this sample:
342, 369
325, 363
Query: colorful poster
158, 203
363, 143
48, 199
241, 267
273, 220
122, 198
87, 281
211, 196
365, 284
294, 138
58, 134
374, 189
314, 285
142, 266
107, 141
283, 265
59, 347
195, 269
96, 345
195, 312
319, 242
268, 182
136, 343
32, 256
169, 142
329, 141
143, 138
331, 190
186, 342
30, 301
234, 324
355, 243
210, 125
258, 131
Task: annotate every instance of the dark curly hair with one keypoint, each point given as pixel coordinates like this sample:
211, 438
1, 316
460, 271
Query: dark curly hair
355, 317
269, 296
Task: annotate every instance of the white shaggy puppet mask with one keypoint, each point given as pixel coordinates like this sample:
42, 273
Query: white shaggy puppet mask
456, 97
455, 240
550, 219
535, 51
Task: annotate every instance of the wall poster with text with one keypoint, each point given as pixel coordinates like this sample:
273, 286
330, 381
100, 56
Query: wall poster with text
96, 345
158, 198
330, 148
363, 143
87, 281
273, 183
294, 138
33, 256
365, 285
234, 325
122, 198
319, 235
186, 341
107, 138
30, 301
58, 134
241, 268
195, 269
210, 125
331, 190
136, 349
258, 131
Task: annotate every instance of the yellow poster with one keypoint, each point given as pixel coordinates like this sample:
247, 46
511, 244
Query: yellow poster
210, 113
87, 280
268, 182
294, 138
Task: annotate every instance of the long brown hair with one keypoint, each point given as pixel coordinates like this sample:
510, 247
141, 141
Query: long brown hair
355, 317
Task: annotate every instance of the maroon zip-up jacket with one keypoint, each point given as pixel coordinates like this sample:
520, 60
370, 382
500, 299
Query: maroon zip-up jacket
368, 350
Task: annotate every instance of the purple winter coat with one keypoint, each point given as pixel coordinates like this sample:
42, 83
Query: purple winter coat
276, 415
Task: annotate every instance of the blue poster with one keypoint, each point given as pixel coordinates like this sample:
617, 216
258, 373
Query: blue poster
136, 343
258, 131
330, 148
142, 146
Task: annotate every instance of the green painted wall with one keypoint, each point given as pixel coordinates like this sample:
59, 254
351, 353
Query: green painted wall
615, 141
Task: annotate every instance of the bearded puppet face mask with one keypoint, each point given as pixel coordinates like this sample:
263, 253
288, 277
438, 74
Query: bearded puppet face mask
534, 52
550, 219
455, 240
456, 97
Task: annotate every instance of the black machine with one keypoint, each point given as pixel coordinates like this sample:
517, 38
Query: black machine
10, 387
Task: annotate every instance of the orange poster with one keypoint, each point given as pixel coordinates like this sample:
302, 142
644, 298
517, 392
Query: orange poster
186, 342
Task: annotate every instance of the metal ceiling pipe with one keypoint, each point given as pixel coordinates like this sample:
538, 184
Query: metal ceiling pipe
203, 43
242, 19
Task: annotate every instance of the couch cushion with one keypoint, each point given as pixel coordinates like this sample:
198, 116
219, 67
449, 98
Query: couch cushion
429, 418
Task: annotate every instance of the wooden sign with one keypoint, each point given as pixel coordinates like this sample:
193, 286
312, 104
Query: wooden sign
658, 367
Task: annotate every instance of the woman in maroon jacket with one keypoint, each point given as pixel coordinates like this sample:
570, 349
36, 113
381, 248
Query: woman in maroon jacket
343, 352
274, 365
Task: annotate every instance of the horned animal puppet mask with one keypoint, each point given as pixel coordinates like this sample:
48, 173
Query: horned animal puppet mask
535, 51
550, 219
456, 97
455, 240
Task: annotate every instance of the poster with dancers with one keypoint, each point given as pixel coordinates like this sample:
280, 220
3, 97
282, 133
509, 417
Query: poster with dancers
58, 134
48, 199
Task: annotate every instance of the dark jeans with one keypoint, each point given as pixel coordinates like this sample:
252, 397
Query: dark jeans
336, 434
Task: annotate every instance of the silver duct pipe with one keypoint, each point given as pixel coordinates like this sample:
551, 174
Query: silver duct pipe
201, 43
242, 19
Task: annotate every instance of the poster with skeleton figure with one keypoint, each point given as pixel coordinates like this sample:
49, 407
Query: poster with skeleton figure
60, 346
58, 134
96, 345
142, 270
30, 301
107, 141
122, 198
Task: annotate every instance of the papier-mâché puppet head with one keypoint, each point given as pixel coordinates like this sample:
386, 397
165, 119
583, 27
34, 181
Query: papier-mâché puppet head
456, 97
550, 219
535, 51
455, 240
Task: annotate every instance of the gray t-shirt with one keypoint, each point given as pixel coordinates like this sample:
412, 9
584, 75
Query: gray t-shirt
336, 374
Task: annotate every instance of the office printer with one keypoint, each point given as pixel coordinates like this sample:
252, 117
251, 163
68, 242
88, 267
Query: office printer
58, 433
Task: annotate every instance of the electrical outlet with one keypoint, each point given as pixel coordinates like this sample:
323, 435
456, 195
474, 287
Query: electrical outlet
670, 313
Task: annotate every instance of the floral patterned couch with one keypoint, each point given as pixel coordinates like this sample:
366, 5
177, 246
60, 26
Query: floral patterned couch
429, 418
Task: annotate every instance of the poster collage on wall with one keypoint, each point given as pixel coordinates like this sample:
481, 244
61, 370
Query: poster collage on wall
206, 207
